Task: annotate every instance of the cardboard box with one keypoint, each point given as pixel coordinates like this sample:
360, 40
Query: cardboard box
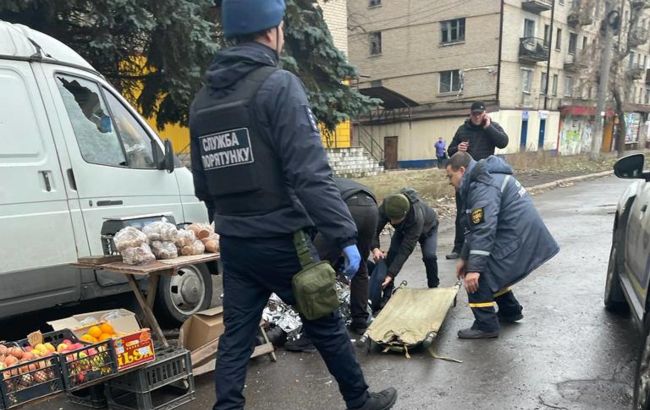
201, 328
134, 345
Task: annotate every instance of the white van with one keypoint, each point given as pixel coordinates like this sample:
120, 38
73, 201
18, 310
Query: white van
74, 153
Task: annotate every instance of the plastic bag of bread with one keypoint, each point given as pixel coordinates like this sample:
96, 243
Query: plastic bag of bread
185, 238
211, 243
164, 249
138, 255
129, 237
201, 230
196, 248
160, 231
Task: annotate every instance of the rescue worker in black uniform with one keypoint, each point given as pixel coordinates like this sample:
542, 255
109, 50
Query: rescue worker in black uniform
479, 136
362, 204
414, 221
505, 240
257, 157
363, 207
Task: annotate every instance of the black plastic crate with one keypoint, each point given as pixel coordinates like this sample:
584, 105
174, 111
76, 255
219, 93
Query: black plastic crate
30, 380
92, 397
163, 384
81, 368
170, 366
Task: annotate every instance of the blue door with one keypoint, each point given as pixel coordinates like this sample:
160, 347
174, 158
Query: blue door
524, 135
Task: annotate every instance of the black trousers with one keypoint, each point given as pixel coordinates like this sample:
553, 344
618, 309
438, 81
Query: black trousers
428, 245
483, 302
253, 269
459, 238
365, 214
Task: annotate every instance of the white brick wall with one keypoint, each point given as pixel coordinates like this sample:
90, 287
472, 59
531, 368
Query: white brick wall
336, 17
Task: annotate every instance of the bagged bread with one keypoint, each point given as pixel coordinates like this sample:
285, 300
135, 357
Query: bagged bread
160, 231
129, 237
138, 255
184, 238
164, 249
200, 230
196, 248
211, 243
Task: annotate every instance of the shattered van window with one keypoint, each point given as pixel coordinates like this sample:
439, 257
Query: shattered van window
92, 125
137, 143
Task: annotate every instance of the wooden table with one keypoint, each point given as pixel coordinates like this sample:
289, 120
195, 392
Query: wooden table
152, 270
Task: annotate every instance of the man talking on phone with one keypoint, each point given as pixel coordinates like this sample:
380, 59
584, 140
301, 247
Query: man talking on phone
479, 136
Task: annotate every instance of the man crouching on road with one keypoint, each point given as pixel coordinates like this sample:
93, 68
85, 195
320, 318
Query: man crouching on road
505, 240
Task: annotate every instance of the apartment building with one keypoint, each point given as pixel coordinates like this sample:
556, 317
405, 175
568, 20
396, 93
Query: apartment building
534, 62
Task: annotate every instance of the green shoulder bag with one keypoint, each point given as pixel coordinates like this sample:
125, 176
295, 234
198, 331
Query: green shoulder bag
314, 287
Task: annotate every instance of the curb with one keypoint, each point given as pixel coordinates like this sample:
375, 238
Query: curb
554, 184
549, 185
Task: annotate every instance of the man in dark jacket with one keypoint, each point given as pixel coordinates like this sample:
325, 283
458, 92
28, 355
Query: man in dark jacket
478, 136
414, 221
363, 207
257, 157
505, 240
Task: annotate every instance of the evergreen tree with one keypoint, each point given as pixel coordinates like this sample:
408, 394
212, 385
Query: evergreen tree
156, 51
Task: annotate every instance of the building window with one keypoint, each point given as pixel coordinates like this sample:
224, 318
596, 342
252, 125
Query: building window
561, 2
584, 42
449, 81
647, 95
573, 43
554, 85
374, 3
542, 84
529, 28
631, 60
558, 39
453, 31
547, 35
568, 86
526, 80
375, 43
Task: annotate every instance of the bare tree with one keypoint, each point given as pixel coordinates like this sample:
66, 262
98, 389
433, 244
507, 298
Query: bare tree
632, 35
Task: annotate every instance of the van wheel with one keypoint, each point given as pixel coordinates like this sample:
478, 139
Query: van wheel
614, 298
182, 295
642, 379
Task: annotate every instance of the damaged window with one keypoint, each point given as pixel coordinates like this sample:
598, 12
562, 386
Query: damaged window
138, 145
106, 135
92, 125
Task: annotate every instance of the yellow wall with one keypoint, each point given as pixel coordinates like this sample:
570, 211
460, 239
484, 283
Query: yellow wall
178, 135
340, 138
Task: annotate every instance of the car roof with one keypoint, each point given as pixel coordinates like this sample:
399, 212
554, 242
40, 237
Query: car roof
21, 42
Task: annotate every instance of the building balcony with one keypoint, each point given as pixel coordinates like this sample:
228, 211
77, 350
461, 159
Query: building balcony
576, 62
536, 6
638, 36
636, 73
640, 3
580, 17
532, 50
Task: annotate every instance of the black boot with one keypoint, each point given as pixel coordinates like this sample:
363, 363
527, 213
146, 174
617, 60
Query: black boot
300, 344
383, 400
431, 265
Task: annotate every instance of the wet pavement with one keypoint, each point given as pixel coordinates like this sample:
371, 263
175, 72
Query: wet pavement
567, 353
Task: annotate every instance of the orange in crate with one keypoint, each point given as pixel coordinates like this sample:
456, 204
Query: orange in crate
95, 331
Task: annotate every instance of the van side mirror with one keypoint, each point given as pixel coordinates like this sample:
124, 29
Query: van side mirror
167, 162
630, 167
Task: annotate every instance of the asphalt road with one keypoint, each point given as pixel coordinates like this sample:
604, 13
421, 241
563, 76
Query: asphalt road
567, 353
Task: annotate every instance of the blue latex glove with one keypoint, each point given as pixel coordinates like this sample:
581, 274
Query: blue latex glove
352, 260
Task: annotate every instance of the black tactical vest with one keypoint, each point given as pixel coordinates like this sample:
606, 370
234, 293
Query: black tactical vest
242, 171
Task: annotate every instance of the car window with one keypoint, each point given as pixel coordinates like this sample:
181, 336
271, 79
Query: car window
91, 121
138, 145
